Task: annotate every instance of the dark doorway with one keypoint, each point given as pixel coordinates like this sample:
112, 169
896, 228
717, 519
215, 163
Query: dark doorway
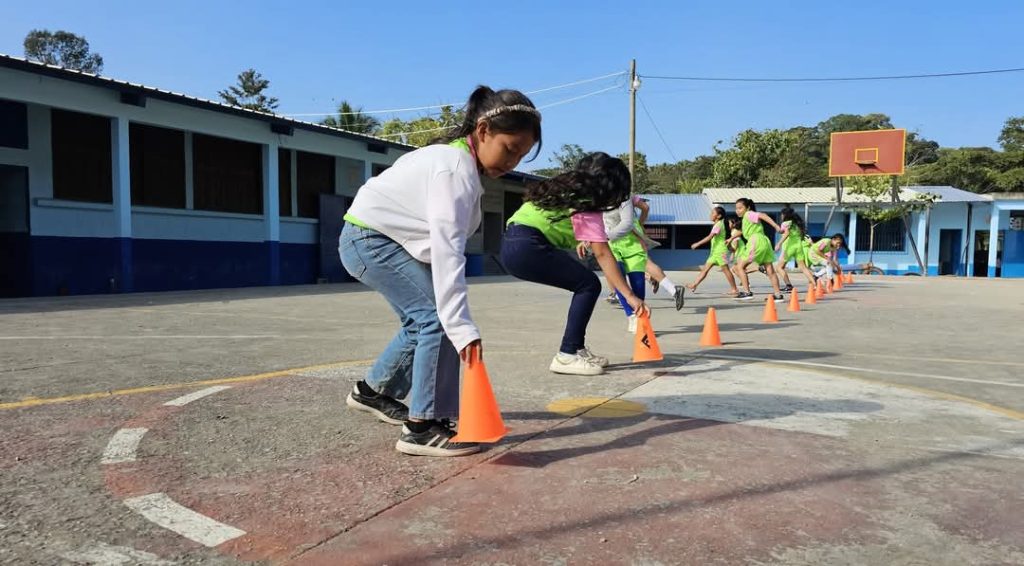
15, 272
950, 251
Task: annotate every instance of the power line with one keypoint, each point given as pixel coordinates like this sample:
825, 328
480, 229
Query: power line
656, 129
833, 79
558, 103
453, 104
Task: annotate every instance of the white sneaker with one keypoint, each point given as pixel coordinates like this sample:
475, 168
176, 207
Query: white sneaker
631, 327
593, 358
574, 365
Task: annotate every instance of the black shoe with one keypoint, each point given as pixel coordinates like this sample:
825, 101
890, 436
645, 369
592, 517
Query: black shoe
435, 441
762, 269
680, 291
779, 297
381, 406
788, 289
744, 296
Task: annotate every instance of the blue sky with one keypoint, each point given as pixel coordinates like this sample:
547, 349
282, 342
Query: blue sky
398, 54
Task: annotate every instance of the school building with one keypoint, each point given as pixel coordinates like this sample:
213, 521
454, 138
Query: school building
951, 236
111, 186
675, 222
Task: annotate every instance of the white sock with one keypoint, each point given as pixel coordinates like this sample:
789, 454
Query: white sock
668, 286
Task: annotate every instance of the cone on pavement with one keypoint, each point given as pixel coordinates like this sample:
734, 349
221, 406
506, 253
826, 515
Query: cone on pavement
770, 314
710, 336
479, 415
820, 292
645, 344
812, 295
794, 302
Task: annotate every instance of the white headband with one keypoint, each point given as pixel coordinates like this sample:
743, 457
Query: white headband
503, 109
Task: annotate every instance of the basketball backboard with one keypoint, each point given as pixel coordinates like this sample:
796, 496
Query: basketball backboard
871, 152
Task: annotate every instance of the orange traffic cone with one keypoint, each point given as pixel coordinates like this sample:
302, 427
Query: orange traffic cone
839, 282
812, 295
479, 415
794, 302
849, 278
710, 336
820, 292
770, 314
830, 288
645, 345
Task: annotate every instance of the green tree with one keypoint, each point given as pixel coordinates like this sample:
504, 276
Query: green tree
424, 130
1011, 138
352, 120
883, 205
63, 49
248, 93
973, 169
752, 152
641, 173
562, 160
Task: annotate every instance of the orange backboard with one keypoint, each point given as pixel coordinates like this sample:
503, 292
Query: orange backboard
871, 152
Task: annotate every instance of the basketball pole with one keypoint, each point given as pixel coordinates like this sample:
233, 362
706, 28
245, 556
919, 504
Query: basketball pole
633, 84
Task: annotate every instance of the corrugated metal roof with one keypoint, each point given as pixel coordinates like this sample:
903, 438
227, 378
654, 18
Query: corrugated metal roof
22, 64
827, 195
678, 209
952, 194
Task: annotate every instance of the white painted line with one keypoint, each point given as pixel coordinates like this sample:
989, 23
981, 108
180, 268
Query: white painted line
163, 511
850, 368
122, 445
145, 337
195, 395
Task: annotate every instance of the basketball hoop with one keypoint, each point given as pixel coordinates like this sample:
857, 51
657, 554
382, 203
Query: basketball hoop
872, 152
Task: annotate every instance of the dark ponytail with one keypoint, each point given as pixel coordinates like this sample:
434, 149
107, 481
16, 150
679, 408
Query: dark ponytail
483, 100
599, 183
791, 215
748, 203
720, 211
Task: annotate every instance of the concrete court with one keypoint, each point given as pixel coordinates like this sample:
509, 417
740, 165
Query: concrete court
883, 426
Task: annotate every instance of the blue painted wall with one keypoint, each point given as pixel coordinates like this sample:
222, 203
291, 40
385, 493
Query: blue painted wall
1013, 253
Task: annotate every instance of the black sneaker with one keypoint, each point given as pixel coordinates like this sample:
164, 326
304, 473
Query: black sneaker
762, 269
744, 296
788, 289
435, 441
381, 406
655, 286
779, 297
680, 291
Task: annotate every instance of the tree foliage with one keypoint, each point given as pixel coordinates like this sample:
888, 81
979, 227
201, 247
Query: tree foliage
352, 120
424, 130
63, 49
1011, 138
248, 93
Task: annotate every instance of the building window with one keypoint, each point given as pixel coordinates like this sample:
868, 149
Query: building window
660, 234
228, 175
157, 166
687, 235
377, 169
315, 177
284, 181
13, 124
81, 157
890, 236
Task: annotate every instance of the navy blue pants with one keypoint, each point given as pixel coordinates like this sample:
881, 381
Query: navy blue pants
529, 256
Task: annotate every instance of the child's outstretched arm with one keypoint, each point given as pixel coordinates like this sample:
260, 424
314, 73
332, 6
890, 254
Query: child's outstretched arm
603, 254
701, 242
765, 218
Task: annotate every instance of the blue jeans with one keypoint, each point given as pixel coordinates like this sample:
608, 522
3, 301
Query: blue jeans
637, 283
528, 255
419, 361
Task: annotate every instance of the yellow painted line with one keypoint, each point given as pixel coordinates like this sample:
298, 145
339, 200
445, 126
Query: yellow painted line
1005, 411
597, 407
34, 402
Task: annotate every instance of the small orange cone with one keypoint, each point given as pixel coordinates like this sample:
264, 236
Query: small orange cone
830, 288
812, 295
479, 415
770, 314
849, 278
710, 336
820, 292
645, 344
794, 302
839, 283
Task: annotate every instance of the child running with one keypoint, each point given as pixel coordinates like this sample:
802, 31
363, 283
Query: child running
719, 254
792, 246
628, 239
405, 237
758, 249
824, 255
559, 214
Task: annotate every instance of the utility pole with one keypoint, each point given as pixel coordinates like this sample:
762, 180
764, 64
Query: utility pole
633, 85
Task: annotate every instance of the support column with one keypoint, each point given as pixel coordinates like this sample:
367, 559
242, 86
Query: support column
122, 189
852, 236
271, 213
923, 226
367, 170
993, 239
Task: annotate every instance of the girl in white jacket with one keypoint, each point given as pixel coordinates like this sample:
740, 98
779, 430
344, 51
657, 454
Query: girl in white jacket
405, 237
